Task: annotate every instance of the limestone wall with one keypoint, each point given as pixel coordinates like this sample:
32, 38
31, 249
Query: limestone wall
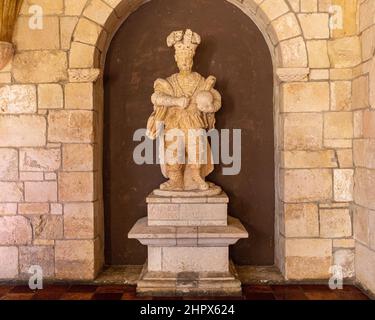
50, 135
364, 149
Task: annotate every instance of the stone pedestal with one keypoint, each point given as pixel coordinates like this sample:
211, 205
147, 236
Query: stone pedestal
188, 237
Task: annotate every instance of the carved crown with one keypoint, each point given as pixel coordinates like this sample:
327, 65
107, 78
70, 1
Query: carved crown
184, 41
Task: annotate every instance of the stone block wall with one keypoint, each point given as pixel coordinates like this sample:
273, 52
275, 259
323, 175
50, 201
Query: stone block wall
50, 134
364, 149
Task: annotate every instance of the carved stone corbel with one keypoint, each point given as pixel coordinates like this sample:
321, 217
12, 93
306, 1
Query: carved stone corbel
292, 74
9, 10
84, 75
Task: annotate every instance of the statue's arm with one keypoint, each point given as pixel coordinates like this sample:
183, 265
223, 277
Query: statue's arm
163, 95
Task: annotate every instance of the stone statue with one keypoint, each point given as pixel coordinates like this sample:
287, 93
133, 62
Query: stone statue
185, 101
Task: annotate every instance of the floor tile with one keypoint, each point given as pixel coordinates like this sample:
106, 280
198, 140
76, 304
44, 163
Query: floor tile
18, 296
82, 288
77, 296
107, 296
111, 289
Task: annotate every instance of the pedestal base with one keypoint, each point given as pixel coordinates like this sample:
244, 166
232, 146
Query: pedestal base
153, 283
188, 238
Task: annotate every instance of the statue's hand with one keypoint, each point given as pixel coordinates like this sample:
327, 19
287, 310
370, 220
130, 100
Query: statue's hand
183, 102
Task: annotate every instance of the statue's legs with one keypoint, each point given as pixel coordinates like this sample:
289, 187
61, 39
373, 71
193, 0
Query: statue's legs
176, 178
196, 153
196, 178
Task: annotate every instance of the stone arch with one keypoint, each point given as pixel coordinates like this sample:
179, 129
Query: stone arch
100, 19
275, 19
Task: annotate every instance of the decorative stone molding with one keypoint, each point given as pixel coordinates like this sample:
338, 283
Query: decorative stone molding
84, 75
6, 53
292, 74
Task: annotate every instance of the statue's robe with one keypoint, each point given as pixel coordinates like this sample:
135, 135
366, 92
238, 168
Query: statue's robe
184, 119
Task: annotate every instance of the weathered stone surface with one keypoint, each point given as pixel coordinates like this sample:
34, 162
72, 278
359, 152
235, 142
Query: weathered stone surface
368, 43
341, 95
44, 191
49, 7
372, 229
344, 52
341, 74
50, 96
364, 181
361, 224
74, 259
345, 259
309, 5
295, 5
46, 38
293, 53
11, 192
79, 221
271, 9
364, 265
335, 223
31, 176
8, 164
338, 125
50, 176
9, 262
372, 84
87, 32
98, 11
33, 208
286, 27
309, 159
67, 25
314, 25
338, 143
303, 131
366, 13
343, 243
78, 157
56, 208
319, 74
74, 7
83, 55
15, 230
76, 186
40, 66
301, 220
349, 25
8, 209
305, 185
360, 93
79, 96
364, 153
22, 131
345, 158
308, 258
305, 97
196, 259
318, 54
369, 124
71, 126
38, 159
47, 227
17, 99
42, 256
343, 183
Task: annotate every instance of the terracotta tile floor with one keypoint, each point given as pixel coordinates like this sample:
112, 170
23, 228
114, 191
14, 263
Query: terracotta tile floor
126, 292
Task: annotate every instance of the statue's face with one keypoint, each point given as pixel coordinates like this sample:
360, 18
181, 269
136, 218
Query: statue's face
184, 61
